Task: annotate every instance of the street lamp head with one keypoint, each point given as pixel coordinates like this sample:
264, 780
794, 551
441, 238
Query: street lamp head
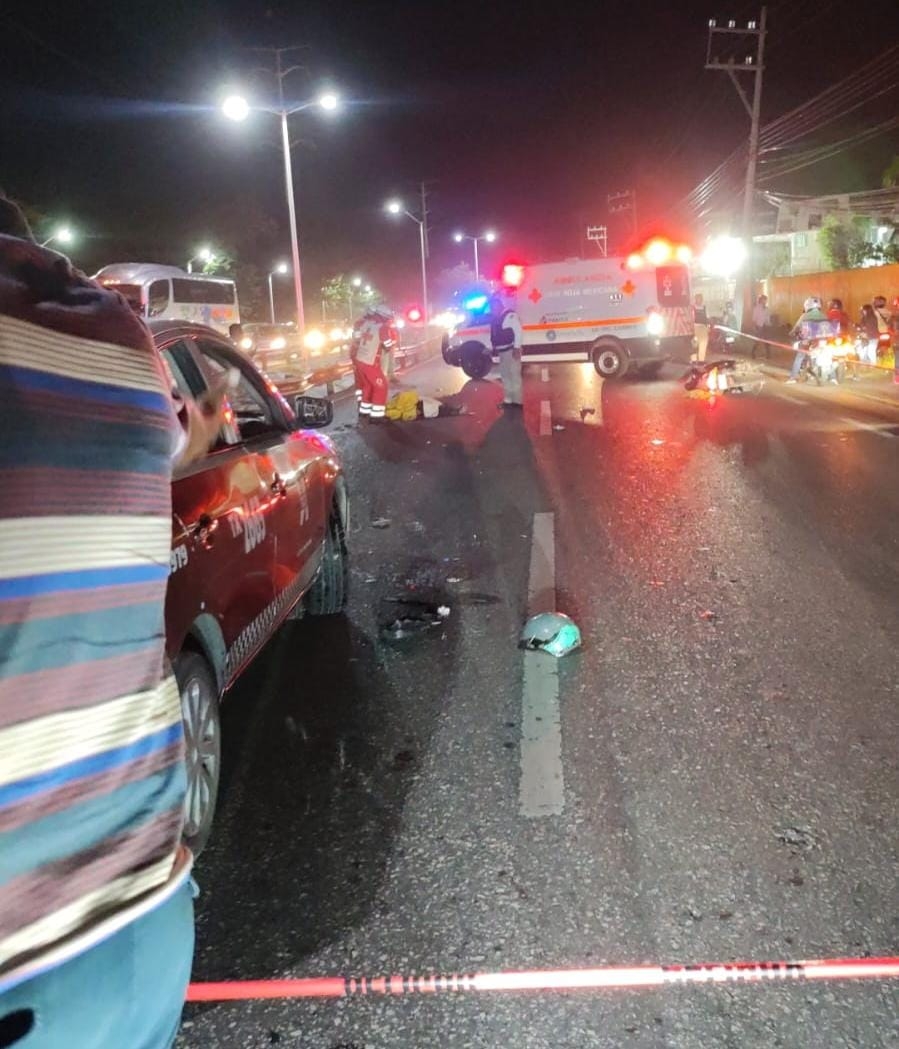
64, 235
458, 237
357, 282
490, 236
282, 267
205, 254
329, 101
236, 107
367, 289
394, 206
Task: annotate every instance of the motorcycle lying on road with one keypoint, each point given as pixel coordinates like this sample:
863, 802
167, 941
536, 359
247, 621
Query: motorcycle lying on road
729, 376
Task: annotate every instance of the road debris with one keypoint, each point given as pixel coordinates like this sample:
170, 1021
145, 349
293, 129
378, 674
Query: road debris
381, 522
798, 836
709, 616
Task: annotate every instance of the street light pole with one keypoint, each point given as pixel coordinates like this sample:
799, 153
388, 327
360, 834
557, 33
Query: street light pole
237, 108
394, 207
291, 204
489, 236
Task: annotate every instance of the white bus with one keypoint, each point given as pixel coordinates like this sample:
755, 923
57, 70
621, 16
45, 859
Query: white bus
170, 293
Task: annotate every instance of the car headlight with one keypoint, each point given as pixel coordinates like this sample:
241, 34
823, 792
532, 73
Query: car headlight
246, 343
278, 343
314, 339
655, 323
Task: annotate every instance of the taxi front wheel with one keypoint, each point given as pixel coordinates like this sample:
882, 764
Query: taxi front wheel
202, 746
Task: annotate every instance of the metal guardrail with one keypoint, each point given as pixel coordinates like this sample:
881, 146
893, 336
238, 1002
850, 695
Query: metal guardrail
328, 376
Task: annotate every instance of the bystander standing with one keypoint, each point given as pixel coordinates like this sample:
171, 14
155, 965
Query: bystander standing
96, 915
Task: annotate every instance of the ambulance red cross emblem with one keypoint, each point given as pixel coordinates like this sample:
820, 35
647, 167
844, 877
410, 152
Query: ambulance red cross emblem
535, 295
629, 287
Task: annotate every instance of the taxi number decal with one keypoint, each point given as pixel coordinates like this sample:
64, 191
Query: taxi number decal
616, 297
250, 523
254, 529
177, 558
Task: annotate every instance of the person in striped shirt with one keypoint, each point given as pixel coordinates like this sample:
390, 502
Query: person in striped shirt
96, 917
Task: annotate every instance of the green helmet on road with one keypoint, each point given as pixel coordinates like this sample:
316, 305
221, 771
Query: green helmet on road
551, 632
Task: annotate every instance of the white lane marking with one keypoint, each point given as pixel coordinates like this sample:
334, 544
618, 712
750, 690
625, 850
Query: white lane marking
542, 786
879, 429
546, 419
793, 400
544, 374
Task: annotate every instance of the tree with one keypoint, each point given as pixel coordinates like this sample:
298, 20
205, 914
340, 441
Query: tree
891, 175
843, 241
342, 298
254, 235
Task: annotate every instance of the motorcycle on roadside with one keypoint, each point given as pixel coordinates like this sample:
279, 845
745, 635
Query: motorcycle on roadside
825, 359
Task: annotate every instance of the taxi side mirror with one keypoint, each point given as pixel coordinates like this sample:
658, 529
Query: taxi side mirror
313, 412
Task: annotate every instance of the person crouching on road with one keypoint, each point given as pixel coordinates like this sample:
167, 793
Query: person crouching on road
506, 339
375, 339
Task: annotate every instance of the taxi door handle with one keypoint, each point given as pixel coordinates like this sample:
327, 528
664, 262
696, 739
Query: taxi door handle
203, 532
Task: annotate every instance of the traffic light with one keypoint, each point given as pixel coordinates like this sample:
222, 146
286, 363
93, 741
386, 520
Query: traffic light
414, 314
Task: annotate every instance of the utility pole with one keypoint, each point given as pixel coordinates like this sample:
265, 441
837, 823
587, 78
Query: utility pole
425, 249
754, 65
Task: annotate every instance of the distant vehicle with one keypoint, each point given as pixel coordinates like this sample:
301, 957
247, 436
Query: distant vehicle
619, 313
275, 348
168, 293
258, 530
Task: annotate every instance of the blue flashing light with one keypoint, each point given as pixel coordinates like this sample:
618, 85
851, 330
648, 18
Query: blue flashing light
475, 303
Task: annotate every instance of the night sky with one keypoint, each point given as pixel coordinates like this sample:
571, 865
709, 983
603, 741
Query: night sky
523, 116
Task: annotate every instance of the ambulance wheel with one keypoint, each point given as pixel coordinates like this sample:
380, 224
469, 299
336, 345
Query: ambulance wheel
610, 359
475, 361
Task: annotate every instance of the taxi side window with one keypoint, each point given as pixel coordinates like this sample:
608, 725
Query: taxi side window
252, 412
187, 378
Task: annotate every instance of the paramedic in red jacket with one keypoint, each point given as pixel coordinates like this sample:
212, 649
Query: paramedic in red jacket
375, 337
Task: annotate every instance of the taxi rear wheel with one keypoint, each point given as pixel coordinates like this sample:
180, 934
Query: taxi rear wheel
330, 591
202, 746
609, 359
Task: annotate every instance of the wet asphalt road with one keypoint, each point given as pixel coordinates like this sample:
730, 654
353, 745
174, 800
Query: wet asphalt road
728, 732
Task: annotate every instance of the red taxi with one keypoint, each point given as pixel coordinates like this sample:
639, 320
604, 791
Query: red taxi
258, 535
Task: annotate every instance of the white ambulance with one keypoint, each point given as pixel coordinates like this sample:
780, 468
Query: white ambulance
624, 313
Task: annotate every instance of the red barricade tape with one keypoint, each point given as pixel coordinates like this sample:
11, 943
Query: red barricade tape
548, 979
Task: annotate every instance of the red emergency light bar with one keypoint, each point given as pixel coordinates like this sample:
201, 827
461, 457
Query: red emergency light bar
659, 252
513, 275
